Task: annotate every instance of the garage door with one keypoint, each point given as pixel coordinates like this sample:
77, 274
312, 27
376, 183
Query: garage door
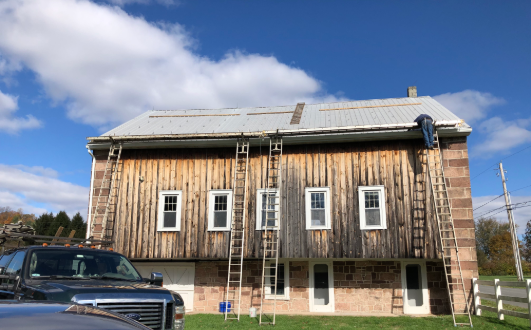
178, 277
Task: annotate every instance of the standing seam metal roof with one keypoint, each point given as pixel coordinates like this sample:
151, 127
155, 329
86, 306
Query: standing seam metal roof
311, 118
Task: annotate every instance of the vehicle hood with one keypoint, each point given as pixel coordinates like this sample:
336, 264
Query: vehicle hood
66, 290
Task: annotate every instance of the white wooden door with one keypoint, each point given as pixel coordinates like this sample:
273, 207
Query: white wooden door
321, 286
415, 287
178, 277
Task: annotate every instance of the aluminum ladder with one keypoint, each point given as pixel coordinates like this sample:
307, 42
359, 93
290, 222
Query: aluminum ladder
237, 231
271, 233
110, 183
447, 239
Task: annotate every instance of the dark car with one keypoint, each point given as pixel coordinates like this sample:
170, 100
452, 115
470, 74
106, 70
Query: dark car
92, 277
58, 316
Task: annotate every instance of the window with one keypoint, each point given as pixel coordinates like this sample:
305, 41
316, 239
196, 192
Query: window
261, 204
169, 218
372, 207
220, 210
317, 208
15, 265
281, 287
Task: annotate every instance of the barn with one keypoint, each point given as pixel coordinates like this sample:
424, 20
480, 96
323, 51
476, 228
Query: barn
330, 207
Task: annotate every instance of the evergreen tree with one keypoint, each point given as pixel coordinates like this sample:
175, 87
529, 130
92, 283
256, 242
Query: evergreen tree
78, 225
61, 220
526, 249
43, 223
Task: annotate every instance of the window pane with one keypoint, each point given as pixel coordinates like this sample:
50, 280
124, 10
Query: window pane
15, 265
220, 219
321, 290
170, 219
317, 200
372, 217
170, 203
413, 284
270, 214
220, 203
280, 279
318, 218
372, 199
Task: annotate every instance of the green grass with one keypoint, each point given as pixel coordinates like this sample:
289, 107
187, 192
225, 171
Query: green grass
487, 321
509, 278
506, 306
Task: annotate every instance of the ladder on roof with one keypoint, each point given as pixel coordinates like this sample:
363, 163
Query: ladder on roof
271, 233
448, 242
237, 231
107, 193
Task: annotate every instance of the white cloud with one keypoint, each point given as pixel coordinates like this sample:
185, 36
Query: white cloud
501, 136
10, 124
469, 105
109, 66
24, 187
521, 212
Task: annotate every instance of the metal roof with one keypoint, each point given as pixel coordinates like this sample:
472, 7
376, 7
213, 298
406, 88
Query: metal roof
394, 113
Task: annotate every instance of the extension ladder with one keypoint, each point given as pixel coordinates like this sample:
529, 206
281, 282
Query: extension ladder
104, 206
271, 232
237, 231
447, 239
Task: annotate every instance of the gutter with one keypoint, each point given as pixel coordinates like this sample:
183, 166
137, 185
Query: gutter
87, 235
293, 132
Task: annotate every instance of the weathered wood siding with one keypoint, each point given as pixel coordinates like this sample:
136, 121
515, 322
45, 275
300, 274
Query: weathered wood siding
399, 166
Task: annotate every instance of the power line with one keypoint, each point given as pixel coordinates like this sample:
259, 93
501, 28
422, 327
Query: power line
492, 200
519, 207
501, 160
513, 207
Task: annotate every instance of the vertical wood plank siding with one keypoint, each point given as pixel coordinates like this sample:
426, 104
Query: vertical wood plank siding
399, 166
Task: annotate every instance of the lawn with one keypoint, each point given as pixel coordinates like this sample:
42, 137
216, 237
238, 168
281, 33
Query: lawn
487, 321
509, 278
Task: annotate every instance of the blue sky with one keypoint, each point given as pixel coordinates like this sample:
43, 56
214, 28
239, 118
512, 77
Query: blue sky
78, 68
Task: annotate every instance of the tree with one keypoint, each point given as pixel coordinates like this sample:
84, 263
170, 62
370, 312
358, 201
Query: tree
486, 228
43, 223
78, 225
61, 220
526, 248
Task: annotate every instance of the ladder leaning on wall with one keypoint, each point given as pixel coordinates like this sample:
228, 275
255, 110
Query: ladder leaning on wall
450, 251
110, 183
237, 231
271, 233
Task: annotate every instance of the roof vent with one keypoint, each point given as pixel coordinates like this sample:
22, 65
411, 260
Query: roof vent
297, 114
412, 91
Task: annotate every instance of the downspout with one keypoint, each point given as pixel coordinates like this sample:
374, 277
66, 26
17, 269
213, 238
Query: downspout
91, 192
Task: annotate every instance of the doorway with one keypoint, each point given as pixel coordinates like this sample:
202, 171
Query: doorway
321, 286
415, 287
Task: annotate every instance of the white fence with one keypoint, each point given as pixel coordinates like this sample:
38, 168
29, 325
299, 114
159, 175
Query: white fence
497, 284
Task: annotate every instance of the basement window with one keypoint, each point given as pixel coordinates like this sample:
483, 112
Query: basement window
262, 213
317, 208
220, 210
372, 207
169, 217
280, 287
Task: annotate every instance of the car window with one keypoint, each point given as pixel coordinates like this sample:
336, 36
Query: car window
15, 265
5, 259
81, 263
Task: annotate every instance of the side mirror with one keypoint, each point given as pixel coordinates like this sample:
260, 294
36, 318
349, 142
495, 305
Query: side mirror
156, 279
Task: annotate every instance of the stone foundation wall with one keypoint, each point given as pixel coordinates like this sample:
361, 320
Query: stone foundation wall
359, 286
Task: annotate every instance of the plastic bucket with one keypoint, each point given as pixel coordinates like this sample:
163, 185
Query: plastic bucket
252, 312
224, 305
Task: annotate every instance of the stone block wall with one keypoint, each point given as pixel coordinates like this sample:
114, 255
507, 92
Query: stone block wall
456, 170
359, 286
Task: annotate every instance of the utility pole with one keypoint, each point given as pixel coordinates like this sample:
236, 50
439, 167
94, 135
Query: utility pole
512, 228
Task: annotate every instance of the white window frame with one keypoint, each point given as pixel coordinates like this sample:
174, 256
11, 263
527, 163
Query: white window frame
308, 203
425, 308
259, 193
211, 199
160, 220
383, 218
284, 296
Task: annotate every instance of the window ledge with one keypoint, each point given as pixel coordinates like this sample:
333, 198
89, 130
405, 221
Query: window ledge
168, 229
269, 297
319, 228
219, 229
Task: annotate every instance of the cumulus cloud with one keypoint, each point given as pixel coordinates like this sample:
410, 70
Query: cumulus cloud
23, 187
109, 66
9, 123
502, 136
469, 105
144, 2
496, 209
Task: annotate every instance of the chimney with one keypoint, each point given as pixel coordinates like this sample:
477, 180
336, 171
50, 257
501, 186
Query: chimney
412, 91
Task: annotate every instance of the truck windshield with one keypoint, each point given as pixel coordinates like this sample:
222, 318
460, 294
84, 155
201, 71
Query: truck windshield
77, 263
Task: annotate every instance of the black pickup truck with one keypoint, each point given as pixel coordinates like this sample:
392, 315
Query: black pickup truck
86, 276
